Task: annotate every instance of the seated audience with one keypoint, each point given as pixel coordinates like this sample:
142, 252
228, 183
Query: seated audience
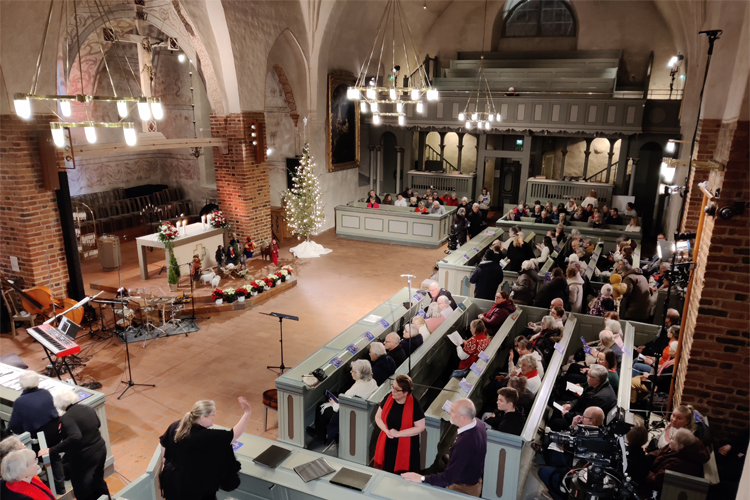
477, 220
393, 348
486, 278
421, 208
436, 291
636, 440
544, 218
556, 288
604, 303
545, 340
11, 443
684, 453
546, 248
642, 382
507, 419
437, 208
452, 201
630, 210
524, 289
634, 226
372, 203
657, 345
524, 347
383, 365
388, 199
400, 201
408, 193
519, 211
464, 203
614, 217
571, 206
559, 234
413, 203
530, 371
326, 427
372, 194
422, 325
466, 462
598, 393
20, 481
498, 313
646, 365
468, 351
564, 219
400, 419
683, 416
591, 199
607, 343
525, 396
595, 222
33, 412
580, 215
412, 339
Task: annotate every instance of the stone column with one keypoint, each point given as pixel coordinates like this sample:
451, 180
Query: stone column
243, 187
622, 166
564, 154
460, 149
632, 176
587, 153
610, 155
442, 147
372, 163
420, 153
399, 166
379, 169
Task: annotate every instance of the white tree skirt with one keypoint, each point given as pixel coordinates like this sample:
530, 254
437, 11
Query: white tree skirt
309, 250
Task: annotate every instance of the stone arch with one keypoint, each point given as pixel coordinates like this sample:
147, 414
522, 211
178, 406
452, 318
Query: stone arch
288, 93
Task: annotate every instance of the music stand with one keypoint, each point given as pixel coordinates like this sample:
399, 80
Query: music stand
281, 338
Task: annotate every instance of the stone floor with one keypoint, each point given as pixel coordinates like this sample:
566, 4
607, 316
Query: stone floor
227, 357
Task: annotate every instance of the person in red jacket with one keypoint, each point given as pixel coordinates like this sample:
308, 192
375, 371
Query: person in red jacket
685, 454
494, 318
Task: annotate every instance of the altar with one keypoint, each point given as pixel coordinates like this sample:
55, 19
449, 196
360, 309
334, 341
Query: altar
197, 241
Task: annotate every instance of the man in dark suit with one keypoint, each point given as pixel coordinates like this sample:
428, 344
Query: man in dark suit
486, 278
393, 347
599, 393
466, 463
383, 365
436, 291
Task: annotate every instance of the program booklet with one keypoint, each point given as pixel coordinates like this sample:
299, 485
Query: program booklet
314, 470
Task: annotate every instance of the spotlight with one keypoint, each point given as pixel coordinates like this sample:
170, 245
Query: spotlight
432, 95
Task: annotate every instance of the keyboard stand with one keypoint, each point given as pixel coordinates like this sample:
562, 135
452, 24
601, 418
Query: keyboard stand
54, 366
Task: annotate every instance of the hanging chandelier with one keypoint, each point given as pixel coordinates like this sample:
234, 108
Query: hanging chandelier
484, 113
147, 107
381, 94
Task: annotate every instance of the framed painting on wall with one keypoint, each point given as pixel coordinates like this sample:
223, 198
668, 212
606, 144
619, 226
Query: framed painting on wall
343, 123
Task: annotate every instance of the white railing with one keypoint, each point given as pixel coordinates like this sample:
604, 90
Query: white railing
561, 191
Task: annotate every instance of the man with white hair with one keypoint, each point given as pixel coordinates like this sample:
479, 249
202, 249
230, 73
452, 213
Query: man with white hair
437, 208
436, 291
466, 463
599, 393
607, 340
33, 412
383, 365
393, 348
477, 220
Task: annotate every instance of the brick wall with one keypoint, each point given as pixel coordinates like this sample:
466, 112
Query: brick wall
243, 186
714, 372
29, 218
705, 147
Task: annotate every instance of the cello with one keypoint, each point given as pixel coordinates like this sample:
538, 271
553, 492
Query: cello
39, 300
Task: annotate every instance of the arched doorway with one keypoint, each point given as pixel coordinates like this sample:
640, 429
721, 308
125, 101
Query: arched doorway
389, 143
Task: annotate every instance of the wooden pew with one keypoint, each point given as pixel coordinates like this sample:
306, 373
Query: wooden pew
357, 429
455, 269
298, 401
439, 431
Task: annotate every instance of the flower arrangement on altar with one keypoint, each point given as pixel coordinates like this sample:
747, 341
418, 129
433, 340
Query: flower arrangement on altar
217, 294
230, 294
168, 232
286, 270
270, 282
242, 292
218, 220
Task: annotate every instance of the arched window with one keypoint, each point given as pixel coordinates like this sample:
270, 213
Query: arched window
540, 18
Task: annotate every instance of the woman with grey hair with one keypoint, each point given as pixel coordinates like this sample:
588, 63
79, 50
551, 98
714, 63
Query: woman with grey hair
326, 427
529, 370
460, 225
34, 412
19, 470
11, 443
524, 289
82, 443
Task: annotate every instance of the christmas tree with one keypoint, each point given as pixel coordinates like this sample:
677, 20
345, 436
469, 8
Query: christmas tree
304, 212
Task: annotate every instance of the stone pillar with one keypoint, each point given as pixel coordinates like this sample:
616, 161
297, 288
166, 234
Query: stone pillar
564, 154
379, 168
610, 155
586, 154
442, 147
420, 153
712, 370
243, 187
622, 166
460, 149
632, 175
372, 163
30, 221
399, 166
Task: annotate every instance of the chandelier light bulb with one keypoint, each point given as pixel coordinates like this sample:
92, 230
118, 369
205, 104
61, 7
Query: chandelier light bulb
128, 129
468, 125
363, 107
487, 125
65, 107
376, 119
491, 117
461, 117
143, 109
371, 94
181, 57
392, 94
23, 107
400, 107
122, 109
402, 120
474, 116
420, 108
414, 94
58, 134
156, 108
350, 93
90, 132
670, 146
374, 107
432, 95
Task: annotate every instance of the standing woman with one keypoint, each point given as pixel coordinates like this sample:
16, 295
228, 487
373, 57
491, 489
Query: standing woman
275, 251
484, 202
401, 421
199, 460
82, 443
459, 221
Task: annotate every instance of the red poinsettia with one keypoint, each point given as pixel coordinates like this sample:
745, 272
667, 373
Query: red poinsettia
217, 294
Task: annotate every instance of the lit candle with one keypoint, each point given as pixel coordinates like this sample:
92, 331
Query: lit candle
203, 222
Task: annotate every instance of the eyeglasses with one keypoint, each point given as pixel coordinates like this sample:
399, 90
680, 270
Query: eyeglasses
396, 388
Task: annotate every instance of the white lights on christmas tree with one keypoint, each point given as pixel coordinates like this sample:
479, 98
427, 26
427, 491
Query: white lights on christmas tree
304, 212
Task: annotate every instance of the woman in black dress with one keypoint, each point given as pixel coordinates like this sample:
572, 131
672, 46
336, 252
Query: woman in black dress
83, 445
401, 421
199, 460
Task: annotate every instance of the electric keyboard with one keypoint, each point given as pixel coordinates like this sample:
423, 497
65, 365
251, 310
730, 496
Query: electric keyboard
54, 340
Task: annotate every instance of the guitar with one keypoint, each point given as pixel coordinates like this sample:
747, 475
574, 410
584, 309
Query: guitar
39, 300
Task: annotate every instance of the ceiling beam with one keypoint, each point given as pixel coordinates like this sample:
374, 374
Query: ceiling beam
95, 150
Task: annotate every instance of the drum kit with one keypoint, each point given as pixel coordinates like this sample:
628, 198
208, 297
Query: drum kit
145, 315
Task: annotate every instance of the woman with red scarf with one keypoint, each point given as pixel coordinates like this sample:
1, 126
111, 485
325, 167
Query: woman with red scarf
20, 481
401, 421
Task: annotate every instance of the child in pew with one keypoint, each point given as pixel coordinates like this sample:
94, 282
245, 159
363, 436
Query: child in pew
507, 418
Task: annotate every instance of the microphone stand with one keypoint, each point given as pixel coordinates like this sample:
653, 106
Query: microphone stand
281, 339
408, 315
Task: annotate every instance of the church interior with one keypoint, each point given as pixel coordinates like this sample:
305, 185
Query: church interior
200, 189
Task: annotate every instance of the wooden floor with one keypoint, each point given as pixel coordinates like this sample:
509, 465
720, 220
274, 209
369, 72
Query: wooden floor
228, 356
